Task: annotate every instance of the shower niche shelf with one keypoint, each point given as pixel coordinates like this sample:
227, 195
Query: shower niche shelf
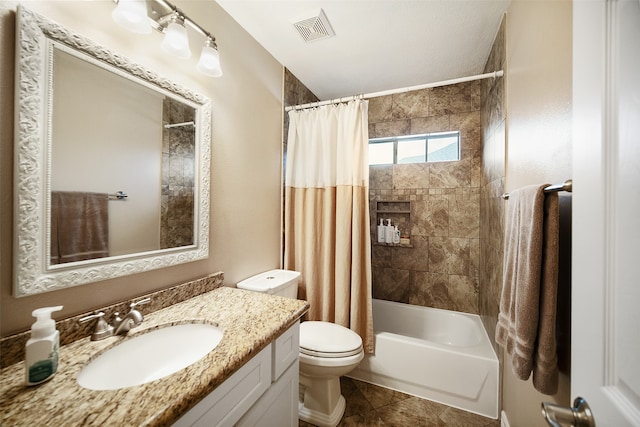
399, 212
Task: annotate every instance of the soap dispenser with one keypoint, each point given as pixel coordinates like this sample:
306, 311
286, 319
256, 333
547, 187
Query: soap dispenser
381, 229
41, 351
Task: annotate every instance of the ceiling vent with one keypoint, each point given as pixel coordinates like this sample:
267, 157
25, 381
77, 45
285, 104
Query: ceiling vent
313, 26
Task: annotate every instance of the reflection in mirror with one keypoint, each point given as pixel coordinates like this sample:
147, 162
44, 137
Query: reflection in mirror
144, 147
91, 124
176, 219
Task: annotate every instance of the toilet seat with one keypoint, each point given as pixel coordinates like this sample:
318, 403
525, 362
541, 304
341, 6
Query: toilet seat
326, 339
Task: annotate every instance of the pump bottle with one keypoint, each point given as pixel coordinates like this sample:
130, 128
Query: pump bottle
41, 351
381, 230
388, 232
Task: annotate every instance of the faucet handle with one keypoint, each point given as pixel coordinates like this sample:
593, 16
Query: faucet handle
135, 315
102, 329
142, 301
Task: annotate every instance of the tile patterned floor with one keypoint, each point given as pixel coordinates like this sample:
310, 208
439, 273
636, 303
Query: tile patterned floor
370, 405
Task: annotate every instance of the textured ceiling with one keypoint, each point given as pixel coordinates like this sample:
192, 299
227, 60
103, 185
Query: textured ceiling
378, 45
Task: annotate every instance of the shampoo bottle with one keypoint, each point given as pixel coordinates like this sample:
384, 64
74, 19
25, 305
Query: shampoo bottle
396, 235
388, 232
41, 352
381, 232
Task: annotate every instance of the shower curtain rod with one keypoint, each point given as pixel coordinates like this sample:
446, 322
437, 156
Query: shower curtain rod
493, 74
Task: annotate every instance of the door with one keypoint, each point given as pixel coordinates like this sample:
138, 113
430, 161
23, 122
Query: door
606, 210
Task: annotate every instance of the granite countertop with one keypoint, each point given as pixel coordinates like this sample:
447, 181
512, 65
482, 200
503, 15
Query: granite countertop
250, 321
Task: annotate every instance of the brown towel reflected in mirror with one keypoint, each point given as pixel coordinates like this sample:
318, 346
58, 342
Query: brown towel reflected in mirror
79, 226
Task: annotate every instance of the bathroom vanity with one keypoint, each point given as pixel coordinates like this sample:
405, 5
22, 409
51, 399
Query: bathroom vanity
250, 378
263, 392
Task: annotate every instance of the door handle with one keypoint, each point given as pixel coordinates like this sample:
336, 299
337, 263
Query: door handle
578, 416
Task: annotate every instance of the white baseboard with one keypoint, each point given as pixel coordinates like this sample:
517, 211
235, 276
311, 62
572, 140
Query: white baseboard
504, 421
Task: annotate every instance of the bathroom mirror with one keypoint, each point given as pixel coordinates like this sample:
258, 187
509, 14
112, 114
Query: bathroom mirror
91, 123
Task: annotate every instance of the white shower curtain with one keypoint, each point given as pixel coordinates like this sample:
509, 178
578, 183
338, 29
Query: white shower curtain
327, 213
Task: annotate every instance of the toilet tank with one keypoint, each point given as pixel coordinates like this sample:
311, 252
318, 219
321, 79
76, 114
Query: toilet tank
276, 282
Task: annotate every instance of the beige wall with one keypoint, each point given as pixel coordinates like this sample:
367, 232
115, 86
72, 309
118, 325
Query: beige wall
538, 103
246, 152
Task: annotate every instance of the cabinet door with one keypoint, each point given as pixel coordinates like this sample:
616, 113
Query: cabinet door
286, 350
226, 404
279, 405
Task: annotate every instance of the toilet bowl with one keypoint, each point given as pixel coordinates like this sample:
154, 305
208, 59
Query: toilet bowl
327, 351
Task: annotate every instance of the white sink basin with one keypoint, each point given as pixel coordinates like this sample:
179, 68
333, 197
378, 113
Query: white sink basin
150, 356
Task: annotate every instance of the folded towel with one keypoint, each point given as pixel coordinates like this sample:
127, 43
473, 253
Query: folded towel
526, 322
545, 368
79, 226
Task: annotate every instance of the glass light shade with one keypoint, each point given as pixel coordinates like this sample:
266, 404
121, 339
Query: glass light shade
132, 15
176, 41
209, 63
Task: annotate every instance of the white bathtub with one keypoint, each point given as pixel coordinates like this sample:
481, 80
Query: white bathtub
440, 355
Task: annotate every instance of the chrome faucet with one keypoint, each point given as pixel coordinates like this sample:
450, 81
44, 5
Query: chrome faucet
133, 318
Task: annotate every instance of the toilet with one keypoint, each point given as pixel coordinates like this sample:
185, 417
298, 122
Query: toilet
327, 351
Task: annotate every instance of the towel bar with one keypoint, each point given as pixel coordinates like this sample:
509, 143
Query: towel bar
565, 186
119, 195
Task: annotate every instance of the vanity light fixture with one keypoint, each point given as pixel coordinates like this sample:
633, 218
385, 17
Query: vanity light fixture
168, 19
176, 40
132, 15
209, 63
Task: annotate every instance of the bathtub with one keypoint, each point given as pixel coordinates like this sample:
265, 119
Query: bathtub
440, 355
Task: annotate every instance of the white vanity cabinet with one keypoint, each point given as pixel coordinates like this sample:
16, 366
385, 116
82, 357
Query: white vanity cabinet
278, 406
263, 392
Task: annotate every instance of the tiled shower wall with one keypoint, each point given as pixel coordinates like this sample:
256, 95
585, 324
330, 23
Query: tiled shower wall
441, 268
491, 202
178, 171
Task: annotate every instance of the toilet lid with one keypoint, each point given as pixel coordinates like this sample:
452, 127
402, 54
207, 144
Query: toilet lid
326, 339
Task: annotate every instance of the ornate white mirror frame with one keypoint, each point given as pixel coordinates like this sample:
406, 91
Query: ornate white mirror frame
36, 38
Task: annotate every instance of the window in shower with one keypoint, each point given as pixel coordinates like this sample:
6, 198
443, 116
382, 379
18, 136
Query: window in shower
430, 147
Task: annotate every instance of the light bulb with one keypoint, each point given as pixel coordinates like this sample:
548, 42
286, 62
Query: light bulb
209, 62
176, 41
132, 15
